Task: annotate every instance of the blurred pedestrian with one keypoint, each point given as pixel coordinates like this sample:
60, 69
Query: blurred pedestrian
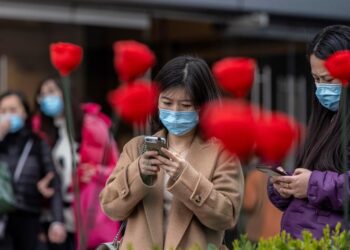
96, 155
28, 159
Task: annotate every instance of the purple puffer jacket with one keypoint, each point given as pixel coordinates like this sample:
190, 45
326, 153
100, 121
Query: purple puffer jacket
323, 205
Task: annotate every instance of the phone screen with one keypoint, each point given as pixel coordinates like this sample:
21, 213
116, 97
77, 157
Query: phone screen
271, 171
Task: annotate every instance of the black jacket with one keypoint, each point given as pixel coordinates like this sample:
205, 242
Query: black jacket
37, 165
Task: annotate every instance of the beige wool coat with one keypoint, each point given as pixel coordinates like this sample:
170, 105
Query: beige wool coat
207, 198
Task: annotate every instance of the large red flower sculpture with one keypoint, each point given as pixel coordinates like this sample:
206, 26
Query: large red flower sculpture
338, 66
65, 57
276, 134
135, 102
231, 122
235, 75
132, 59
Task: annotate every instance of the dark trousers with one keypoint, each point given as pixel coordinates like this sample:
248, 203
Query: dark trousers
67, 245
22, 230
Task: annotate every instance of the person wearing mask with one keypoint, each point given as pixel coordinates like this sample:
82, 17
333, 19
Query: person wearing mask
190, 193
96, 155
28, 159
312, 197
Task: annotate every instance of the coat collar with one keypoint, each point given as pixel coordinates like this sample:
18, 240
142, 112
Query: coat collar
153, 206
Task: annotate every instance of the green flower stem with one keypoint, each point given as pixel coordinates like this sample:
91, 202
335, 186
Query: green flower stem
70, 127
345, 157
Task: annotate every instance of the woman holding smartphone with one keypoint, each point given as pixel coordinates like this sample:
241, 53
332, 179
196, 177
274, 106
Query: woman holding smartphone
196, 190
313, 196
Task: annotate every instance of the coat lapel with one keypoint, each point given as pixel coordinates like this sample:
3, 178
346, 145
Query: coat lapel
179, 219
201, 156
153, 206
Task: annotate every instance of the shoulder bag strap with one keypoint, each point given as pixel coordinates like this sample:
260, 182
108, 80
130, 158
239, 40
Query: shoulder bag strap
22, 160
120, 231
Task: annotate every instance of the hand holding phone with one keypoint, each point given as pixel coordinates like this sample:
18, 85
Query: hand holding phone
148, 164
271, 171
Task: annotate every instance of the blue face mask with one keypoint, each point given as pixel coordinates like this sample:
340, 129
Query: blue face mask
328, 95
16, 123
51, 105
178, 122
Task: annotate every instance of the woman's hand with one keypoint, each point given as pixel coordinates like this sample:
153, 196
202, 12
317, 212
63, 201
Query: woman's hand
279, 187
44, 185
173, 166
57, 233
4, 128
297, 184
148, 163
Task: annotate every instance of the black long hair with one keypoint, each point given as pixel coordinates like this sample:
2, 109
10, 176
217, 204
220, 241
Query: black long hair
192, 73
47, 123
322, 148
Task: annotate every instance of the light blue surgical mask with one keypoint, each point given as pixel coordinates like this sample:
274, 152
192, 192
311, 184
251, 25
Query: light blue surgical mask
328, 94
51, 105
16, 122
178, 122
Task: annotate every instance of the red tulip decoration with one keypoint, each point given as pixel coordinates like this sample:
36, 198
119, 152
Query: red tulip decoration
65, 57
276, 134
235, 75
232, 123
132, 59
338, 66
135, 102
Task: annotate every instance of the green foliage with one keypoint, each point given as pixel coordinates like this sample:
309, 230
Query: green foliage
212, 247
335, 240
195, 247
243, 243
331, 240
129, 246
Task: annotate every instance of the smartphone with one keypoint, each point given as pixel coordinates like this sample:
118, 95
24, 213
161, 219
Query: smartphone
154, 143
271, 171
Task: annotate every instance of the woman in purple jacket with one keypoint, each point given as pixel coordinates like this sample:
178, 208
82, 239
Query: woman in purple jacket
313, 196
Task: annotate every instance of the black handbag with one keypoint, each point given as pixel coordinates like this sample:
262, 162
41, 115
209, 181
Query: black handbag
116, 243
7, 196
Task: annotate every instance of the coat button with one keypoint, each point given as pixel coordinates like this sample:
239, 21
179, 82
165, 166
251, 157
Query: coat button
197, 198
